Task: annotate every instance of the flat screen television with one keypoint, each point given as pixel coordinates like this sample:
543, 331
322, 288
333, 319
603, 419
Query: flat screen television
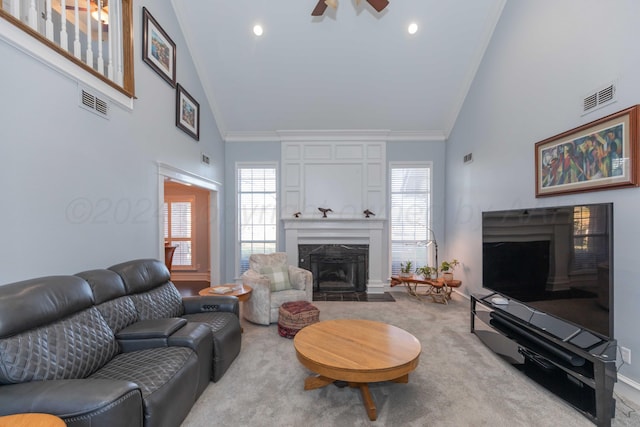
556, 260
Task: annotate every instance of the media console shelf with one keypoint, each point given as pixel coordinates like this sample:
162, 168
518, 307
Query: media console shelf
575, 364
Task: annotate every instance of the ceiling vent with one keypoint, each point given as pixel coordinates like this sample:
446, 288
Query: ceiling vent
93, 103
599, 98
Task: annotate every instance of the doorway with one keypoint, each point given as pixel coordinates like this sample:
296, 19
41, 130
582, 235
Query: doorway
188, 220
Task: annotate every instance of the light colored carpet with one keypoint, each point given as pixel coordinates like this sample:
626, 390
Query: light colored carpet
459, 381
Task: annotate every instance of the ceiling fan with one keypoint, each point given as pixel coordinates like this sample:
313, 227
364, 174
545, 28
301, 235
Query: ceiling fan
378, 5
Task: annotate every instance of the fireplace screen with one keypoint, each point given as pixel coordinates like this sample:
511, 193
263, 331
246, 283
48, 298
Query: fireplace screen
336, 268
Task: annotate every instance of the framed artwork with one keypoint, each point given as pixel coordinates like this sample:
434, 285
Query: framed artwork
599, 155
158, 50
187, 113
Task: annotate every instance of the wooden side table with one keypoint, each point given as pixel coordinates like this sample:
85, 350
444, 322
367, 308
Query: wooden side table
242, 292
31, 420
439, 289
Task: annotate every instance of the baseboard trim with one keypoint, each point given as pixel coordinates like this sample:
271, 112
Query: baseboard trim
628, 389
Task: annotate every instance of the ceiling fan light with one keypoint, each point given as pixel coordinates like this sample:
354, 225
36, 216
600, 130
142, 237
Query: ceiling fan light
331, 3
102, 16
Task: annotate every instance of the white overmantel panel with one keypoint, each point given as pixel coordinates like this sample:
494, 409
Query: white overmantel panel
366, 231
347, 177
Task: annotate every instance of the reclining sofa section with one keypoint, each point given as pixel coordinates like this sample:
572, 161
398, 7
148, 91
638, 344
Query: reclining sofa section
109, 347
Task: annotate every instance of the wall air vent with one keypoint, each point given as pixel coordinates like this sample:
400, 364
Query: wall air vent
93, 103
599, 98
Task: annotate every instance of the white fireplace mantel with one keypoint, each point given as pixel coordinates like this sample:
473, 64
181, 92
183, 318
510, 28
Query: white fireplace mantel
368, 231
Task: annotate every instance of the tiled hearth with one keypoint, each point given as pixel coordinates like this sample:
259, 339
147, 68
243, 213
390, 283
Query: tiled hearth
352, 296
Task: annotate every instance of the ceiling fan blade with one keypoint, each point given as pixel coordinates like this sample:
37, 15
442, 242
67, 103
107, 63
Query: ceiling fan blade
378, 5
320, 8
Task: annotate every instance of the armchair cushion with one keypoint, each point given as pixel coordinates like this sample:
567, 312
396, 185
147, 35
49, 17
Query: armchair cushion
278, 277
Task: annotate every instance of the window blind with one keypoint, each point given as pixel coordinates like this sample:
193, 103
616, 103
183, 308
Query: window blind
410, 216
257, 212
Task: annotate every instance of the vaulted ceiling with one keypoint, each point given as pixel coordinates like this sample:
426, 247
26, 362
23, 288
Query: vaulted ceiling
350, 70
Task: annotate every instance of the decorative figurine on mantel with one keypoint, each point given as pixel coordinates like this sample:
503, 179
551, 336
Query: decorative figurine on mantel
367, 213
324, 211
297, 214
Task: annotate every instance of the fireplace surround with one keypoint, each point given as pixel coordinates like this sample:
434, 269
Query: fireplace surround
350, 232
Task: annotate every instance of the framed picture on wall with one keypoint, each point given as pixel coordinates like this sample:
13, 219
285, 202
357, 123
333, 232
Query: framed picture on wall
599, 155
158, 50
187, 113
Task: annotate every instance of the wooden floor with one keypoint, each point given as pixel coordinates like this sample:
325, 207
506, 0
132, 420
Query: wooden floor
190, 287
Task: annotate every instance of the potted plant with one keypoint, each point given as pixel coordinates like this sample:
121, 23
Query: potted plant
447, 267
406, 269
427, 272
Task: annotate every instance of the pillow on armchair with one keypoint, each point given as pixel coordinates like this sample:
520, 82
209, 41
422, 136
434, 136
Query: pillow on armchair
278, 276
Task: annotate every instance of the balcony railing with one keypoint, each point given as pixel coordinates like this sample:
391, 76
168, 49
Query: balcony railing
96, 35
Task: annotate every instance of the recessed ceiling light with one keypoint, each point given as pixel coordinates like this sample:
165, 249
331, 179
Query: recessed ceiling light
413, 28
257, 30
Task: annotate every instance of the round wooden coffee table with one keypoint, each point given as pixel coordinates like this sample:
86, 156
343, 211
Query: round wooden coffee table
243, 292
357, 352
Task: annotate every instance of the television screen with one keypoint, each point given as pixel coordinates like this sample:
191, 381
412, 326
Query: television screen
556, 260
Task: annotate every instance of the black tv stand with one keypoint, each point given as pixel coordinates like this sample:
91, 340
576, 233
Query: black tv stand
575, 364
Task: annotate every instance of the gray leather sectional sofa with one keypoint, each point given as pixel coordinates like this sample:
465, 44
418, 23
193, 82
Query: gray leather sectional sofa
112, 347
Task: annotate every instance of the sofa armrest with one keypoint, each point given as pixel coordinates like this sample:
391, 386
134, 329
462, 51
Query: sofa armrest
203, 304
82, 402
148, 333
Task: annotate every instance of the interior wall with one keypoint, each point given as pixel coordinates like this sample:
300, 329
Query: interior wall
81, 192
544, 58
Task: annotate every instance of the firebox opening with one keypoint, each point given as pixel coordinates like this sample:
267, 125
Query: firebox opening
336, 268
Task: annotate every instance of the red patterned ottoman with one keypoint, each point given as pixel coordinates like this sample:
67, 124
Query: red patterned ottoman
295, 315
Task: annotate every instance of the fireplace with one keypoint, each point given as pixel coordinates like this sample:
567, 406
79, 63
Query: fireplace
365, 234
336, 267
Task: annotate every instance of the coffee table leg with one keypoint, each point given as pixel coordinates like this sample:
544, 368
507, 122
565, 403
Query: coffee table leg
316, 381
369, 405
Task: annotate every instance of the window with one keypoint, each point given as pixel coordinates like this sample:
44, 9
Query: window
590, 236
257, 212
410, 216
179, 230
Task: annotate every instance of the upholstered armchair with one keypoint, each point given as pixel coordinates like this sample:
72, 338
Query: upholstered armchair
273, 282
